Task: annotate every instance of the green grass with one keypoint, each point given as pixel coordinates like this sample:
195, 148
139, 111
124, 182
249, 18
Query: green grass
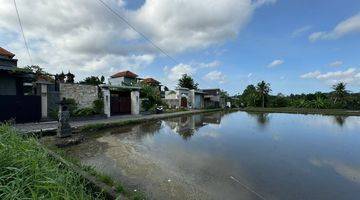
27, 172
303, 111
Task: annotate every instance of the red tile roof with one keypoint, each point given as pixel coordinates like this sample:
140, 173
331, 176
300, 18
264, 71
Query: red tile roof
127, 74
150, 81
6, 53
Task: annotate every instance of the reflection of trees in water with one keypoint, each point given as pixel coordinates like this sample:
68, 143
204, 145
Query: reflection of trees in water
187, 126
262, 118
340, 120
138, 131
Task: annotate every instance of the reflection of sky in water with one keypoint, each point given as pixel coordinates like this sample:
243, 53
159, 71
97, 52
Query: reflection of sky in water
279, 156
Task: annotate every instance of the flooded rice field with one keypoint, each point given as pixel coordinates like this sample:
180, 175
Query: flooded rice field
232, 156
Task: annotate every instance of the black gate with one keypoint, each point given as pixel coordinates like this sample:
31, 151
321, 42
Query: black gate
21, 108
120, 103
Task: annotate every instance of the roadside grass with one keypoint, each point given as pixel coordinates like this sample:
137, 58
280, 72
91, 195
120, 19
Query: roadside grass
27, 172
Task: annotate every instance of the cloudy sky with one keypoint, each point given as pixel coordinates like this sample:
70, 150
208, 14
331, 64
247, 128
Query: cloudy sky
298, 45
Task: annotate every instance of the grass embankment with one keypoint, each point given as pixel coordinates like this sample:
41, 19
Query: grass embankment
30, 171
303, 111
27, 172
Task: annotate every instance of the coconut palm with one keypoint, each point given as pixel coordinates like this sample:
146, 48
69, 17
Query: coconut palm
339, 92
263, 89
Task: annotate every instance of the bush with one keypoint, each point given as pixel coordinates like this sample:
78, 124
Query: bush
72, 106
98, 106
84, 112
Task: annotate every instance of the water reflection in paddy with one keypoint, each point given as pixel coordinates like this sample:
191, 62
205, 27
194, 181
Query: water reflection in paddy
233, 156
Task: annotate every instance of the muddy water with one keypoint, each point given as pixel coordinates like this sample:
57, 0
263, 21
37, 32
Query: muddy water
233, 156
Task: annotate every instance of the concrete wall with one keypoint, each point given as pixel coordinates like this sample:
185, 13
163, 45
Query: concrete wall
106, 95
135, 102
84, 95
173, 103
44, 101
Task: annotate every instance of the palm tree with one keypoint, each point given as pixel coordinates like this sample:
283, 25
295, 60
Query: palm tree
263, 89
339, 92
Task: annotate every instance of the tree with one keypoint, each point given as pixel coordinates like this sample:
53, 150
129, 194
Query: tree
250, 96
92, 80
263, 89
187, 82
151, 95
339, 92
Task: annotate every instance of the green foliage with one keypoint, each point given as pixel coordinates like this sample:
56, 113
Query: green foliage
250, 97
98, 106
263, 90
339, 94
27, 172
187, 81
340, 98
93, 80
84, 112
72, 106
151, 97
278, 101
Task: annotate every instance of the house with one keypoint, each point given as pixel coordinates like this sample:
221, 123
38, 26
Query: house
152, 82
121, 95
124, 78
16, 99
185, 98
212, 98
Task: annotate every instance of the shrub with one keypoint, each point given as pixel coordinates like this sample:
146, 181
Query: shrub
72, 106
98, 106
84, 112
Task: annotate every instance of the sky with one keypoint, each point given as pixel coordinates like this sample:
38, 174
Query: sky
298, 46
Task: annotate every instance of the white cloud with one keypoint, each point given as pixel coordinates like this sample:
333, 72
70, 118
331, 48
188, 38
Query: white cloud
258, 3
300, 31
350, 76
63, 35
311, 74
337, 63
276, 63
348, 26
174, 73
212, 64
176, 27
249, 75
215, 76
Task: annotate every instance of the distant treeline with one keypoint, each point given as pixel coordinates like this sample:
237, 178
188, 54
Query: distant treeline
259, 96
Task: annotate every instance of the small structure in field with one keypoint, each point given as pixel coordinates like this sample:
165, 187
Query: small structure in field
64, 128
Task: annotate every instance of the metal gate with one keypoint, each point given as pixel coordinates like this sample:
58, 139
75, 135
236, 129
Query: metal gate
21, 108
120, 103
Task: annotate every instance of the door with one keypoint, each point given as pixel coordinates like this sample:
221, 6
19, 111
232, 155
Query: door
183, 102
120, 103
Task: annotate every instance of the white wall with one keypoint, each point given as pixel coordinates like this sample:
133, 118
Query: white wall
116, 81
44, 101
106, 95
135, 102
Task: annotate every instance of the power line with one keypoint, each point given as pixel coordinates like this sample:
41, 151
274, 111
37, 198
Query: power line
22, 31
135, 29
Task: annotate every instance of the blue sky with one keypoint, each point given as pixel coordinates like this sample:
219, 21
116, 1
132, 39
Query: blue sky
311, 43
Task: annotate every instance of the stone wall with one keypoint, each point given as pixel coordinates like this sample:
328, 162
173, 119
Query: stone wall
84, 95
172, 103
